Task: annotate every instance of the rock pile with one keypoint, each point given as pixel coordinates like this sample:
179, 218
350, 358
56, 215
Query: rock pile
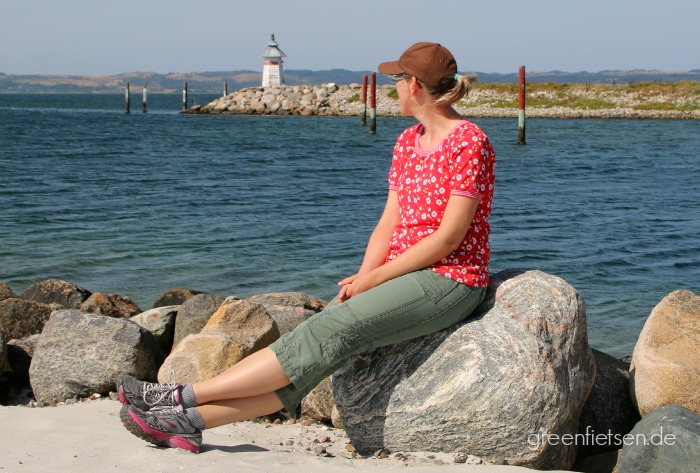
326, 99
511, 384
345, 100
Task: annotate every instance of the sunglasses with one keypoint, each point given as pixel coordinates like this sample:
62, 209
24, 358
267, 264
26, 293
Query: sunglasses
395, 78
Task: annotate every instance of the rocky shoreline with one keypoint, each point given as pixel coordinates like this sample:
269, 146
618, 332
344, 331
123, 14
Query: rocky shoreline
517, 384
483, 102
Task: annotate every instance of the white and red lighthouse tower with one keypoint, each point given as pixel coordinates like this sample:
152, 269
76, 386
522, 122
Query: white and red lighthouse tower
272, 64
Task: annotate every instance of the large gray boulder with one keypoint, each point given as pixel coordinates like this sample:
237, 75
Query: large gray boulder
609, 408
79, 354
58, 291
161, 323
193, 315
236, 330
493, 386
20, 318
289, 309
667, 439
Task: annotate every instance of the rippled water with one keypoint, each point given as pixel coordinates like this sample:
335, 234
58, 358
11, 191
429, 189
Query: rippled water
136, 204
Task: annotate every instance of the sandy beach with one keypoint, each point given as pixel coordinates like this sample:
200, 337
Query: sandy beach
88, 437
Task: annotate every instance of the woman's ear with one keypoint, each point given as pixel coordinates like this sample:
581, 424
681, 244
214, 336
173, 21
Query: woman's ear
414, 87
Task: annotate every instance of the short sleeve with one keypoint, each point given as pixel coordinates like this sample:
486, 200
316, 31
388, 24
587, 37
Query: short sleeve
402, 148
395, 170
472, 168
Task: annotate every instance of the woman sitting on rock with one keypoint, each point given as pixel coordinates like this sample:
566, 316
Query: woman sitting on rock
425, 268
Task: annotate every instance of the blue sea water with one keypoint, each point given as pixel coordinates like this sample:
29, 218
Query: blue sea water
239, 205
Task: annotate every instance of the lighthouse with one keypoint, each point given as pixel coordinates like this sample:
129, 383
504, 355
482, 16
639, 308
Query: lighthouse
272, 64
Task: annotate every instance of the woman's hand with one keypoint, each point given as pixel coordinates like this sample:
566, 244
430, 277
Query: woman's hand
356, 284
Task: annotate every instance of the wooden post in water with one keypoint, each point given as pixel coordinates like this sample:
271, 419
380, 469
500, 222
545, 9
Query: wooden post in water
521, 107
145, 98
225, 89
127, 99
184, 97
364, 101
373, 103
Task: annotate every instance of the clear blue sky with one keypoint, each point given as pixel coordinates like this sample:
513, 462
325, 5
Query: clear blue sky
113, 36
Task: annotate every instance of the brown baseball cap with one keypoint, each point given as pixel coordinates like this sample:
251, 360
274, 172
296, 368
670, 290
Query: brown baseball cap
430, 63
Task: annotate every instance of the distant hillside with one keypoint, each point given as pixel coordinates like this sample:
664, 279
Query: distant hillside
212, 82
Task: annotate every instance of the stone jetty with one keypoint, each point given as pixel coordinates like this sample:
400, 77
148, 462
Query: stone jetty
325, 99
482, 102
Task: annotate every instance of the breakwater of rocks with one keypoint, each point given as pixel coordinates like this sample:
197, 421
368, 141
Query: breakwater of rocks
524, 356
345, 100
326, 99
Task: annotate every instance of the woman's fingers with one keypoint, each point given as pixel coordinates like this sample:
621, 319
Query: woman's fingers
347, 280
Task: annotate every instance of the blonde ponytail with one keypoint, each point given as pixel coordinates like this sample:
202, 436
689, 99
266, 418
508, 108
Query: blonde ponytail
460, 89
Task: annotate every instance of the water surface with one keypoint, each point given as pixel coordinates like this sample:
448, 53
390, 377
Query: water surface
136, 204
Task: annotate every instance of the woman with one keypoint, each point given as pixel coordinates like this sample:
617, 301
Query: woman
425, 268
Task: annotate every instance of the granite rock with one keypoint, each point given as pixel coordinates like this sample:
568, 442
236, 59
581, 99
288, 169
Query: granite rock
336, 420
111, 305
609, 408
6, 292
289, 309
57, 291
80, 354
236, 330
194, 314
492, 386
161, 323
20, 318
665, 365
667, 439
318, 404
174, 296
20, 353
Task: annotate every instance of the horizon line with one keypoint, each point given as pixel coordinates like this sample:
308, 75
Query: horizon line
250, 71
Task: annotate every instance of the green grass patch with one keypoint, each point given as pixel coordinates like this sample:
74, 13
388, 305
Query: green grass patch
354, 98
393, 94
500, 88
502, 103
682, 96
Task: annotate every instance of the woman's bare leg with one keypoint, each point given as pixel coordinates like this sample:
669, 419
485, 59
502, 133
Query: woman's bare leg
234, 410
255, 375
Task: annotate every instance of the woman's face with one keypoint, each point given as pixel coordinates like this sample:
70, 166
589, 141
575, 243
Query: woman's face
403, 88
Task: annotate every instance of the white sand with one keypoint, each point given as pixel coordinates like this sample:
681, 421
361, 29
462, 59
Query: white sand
88, 437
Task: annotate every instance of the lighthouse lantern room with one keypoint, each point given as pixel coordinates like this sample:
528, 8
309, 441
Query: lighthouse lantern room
272, 64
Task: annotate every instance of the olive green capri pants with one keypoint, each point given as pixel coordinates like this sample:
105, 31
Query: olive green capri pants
410, 306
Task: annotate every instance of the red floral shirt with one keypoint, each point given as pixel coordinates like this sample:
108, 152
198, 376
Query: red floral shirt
463, 165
